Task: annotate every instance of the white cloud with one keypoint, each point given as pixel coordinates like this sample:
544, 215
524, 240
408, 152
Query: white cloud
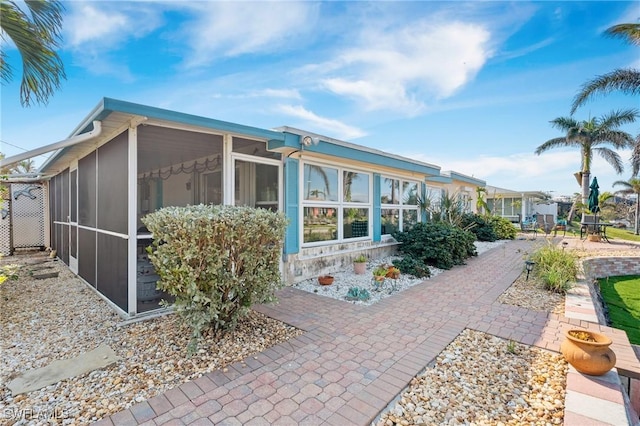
235, 28
108, 23
322, 124
391, 68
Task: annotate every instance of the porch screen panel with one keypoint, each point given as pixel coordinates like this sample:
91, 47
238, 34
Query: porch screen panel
73, 241
112, 185
65, 197
52, 211
64, 244
87, 255
58, 196
87, 190
112, 269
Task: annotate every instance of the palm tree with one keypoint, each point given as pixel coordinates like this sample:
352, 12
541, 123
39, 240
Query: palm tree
36, 34
635, 157
625, 80
632, 186
588, 136
25, 166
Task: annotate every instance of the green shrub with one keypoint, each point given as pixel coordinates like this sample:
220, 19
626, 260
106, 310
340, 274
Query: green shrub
438, 244
357, 294
217, 261
556, 268
479, 226
412, 266
503, 228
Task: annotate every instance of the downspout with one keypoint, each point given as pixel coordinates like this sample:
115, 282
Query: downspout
97, 130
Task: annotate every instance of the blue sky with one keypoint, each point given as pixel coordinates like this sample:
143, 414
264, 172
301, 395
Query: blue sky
467, 86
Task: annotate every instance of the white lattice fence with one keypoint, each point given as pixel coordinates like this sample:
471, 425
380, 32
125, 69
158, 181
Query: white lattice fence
22, 221
5, 222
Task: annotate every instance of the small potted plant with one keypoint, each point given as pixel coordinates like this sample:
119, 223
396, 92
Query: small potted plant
380, 273
360, 264
393, 272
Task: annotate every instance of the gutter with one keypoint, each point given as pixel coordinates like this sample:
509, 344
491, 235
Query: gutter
97, 130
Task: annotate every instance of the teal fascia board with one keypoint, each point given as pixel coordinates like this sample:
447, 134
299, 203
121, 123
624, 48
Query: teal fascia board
438, 179
377, 208
286, 140
292, 205
468, 179
114, 105
352, 153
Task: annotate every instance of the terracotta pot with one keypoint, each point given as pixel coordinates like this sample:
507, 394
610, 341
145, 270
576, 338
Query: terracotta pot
325, 280
594, 237
359, 267
593, 358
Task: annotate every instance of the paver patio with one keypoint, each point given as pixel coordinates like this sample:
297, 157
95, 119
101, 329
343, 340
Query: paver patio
352, 360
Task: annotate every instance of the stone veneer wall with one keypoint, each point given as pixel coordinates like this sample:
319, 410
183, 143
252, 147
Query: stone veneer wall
314, 261
603, 267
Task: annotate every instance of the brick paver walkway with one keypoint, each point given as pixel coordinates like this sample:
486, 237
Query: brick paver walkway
352, 361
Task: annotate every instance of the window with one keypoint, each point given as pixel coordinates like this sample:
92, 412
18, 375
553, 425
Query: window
336, 204
399, 204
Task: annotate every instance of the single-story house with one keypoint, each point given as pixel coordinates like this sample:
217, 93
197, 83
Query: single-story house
125, 160
519, 206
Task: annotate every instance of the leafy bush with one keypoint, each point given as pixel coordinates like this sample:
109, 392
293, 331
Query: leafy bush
412, 266
556, 268
503, 228
217, 261
438, 244
477, 224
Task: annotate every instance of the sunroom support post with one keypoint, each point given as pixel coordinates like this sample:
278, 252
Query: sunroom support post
132, 211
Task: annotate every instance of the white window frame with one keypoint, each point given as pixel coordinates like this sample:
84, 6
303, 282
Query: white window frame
400, 206
339, 205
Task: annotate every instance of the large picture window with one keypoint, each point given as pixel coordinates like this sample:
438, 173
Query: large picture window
399, 204
336, 204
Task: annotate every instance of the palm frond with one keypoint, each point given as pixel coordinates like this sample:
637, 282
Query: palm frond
627, 32
625, 80
36, 37
611, 157
555, 143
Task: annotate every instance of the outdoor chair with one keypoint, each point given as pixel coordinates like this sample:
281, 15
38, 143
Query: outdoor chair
542, 224
529, 227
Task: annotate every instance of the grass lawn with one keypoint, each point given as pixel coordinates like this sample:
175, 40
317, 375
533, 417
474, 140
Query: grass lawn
622, 234
622, 296
617, 233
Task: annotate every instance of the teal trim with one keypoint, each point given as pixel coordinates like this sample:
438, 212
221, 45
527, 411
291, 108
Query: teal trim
292, 205
286, 140
159, 199
353, 153
467, 179
114, 105
439, 179
377, 208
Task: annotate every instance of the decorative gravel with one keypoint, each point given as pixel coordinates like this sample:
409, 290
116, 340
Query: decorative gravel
58, 318
481, 379
344, 280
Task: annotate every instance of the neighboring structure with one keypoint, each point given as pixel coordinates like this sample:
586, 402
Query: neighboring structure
126, 160
519, 206
21, 216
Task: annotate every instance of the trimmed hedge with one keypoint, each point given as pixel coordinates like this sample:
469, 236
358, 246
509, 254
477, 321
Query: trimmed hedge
217, 261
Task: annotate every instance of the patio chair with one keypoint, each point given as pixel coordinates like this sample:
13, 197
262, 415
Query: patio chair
529, 227
542, 224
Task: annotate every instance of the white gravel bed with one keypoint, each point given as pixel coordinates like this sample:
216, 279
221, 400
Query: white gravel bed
481, 379
344, 280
